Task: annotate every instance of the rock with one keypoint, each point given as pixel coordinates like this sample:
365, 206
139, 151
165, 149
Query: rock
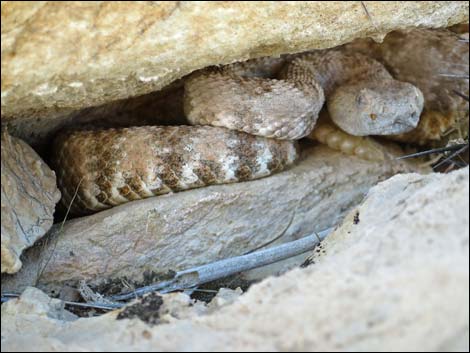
29, 195
190, 228
155, 309
224, 297
34, 302
394, 276
37, 313
177, 306
59, 58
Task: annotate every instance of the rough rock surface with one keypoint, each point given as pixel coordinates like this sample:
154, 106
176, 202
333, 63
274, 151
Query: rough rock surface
394, 277
29, 195
61, 57
177, 231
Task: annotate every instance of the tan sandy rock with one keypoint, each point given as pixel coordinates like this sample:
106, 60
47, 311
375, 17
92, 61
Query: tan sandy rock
394, 277
29, 196
62, 57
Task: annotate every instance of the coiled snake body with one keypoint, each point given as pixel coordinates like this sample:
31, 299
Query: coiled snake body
120, 165
255, 121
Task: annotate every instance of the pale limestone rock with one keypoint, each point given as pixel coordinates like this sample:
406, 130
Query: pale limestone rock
29, 195
224, 297
185, 229
177, 306
395, 277
58, 58
34, 302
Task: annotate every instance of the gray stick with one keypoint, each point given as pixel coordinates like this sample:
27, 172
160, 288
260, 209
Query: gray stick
220, 269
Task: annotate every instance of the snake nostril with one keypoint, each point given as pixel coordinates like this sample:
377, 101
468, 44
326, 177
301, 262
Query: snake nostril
359, 99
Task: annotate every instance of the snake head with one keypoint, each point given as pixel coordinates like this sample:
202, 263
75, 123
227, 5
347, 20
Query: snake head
382, 107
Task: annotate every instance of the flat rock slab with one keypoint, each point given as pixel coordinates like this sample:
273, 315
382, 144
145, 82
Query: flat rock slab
394, 277
29, 196
181, 230
62, 57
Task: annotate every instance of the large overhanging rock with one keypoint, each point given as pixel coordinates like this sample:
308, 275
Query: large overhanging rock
61, 57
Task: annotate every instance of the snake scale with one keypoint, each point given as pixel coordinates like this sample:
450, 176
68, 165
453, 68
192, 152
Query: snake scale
246, 119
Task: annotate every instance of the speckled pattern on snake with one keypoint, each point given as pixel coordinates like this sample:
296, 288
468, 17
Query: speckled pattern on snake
247, 116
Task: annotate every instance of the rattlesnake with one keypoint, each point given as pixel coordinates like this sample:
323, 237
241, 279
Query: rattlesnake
256, 119
435, 61
362, 97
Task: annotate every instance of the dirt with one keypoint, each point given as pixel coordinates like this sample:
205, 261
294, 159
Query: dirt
147, 309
